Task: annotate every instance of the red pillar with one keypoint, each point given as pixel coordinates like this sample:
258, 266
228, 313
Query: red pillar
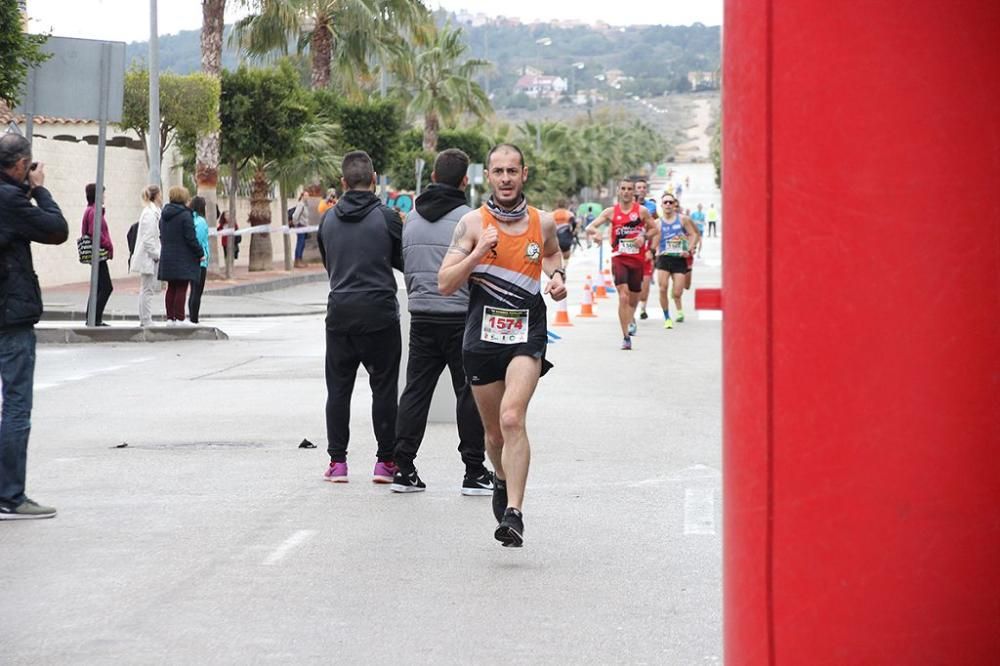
862, 332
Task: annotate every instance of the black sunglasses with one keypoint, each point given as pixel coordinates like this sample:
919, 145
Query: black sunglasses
669, 202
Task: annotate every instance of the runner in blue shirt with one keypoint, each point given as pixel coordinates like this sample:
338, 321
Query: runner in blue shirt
698, 217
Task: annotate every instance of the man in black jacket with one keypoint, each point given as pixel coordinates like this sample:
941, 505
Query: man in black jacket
437, 324
20, 309
360, 242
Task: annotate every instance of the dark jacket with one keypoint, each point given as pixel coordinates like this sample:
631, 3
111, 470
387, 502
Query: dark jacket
360, 242
20, 224
427, 235
180, 251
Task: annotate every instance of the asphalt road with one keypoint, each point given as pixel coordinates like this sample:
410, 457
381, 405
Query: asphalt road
211, 538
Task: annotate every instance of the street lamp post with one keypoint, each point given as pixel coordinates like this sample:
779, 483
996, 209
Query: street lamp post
154, 98
541, 41
572, 78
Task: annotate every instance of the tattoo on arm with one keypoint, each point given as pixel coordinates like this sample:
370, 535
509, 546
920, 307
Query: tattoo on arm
455, 248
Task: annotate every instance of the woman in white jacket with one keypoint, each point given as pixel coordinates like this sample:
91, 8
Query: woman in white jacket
147, 251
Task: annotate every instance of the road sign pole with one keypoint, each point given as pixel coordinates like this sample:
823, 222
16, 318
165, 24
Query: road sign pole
96, 230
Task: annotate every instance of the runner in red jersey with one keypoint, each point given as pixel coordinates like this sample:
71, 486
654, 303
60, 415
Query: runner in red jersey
631, 227
641, 195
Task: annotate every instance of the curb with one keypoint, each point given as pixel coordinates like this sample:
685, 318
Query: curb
268, 285
81, 316
64, 336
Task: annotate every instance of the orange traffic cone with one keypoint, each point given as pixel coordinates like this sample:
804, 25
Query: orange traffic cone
598, 288
609, 284
562, 314
587, 306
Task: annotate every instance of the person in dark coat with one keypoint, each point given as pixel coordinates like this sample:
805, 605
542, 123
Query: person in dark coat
21, 224
180, 253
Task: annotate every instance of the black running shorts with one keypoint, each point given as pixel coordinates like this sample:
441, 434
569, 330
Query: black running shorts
671, 264
487, 367
627, 272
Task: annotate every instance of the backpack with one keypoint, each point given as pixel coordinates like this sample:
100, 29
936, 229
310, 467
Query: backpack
133, 233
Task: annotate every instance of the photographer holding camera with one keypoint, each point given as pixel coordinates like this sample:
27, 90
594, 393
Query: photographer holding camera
21, 223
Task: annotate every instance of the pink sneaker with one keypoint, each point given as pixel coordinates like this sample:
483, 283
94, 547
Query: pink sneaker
336, 473
383, 472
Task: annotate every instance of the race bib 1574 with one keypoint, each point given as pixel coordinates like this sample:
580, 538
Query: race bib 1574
504, 326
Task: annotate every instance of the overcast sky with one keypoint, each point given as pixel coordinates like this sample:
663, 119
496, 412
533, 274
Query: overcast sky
128, 20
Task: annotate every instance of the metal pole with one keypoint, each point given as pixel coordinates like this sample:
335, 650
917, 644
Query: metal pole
231, 245
154, 98
95, 236
288, 226
29, 106
486, 41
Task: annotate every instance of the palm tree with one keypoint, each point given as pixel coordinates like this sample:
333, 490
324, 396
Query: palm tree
315, 161
207, 160
437, 81
345, 33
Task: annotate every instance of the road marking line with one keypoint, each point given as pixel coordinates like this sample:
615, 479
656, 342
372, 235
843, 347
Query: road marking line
41, 386
288, 546
699, 511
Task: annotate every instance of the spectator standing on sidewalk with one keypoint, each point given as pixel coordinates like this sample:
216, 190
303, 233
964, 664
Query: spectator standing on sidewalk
147, 251
298, 219
201, 233
226, 240
180, 253
437, 326
360, 243
104, 286
21, 223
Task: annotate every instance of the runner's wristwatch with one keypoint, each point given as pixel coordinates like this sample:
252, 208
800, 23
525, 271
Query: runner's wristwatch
562, 274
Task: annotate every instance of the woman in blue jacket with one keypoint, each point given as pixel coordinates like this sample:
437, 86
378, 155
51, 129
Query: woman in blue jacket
201, 232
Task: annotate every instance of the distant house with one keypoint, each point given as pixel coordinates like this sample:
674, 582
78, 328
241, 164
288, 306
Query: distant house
615, 77
704, 80
538, 86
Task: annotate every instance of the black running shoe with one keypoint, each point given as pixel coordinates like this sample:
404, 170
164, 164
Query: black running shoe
510, 531
407, 482
478, 484
499, 498
643, 315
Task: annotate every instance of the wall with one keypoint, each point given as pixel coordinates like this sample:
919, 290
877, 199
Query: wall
70, 166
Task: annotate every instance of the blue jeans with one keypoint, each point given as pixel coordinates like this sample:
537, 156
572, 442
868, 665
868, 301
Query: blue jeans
300, 245
17, 372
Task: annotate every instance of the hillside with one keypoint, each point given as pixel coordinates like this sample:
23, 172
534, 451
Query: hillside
651, 59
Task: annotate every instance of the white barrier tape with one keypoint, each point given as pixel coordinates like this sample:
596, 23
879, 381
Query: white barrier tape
263, 229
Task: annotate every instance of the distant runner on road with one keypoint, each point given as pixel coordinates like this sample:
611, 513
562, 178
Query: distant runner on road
565, 227
713, 218
631, 226
641, 195
501, 250
698, 217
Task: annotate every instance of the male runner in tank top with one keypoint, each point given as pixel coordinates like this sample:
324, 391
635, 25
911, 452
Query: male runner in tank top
679, 239
641, 195
631, 227
501, 250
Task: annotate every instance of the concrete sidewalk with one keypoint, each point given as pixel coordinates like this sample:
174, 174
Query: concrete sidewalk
243, 295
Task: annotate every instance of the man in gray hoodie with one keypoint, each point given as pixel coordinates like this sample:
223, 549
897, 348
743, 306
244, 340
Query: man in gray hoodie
437, 324
360, 242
